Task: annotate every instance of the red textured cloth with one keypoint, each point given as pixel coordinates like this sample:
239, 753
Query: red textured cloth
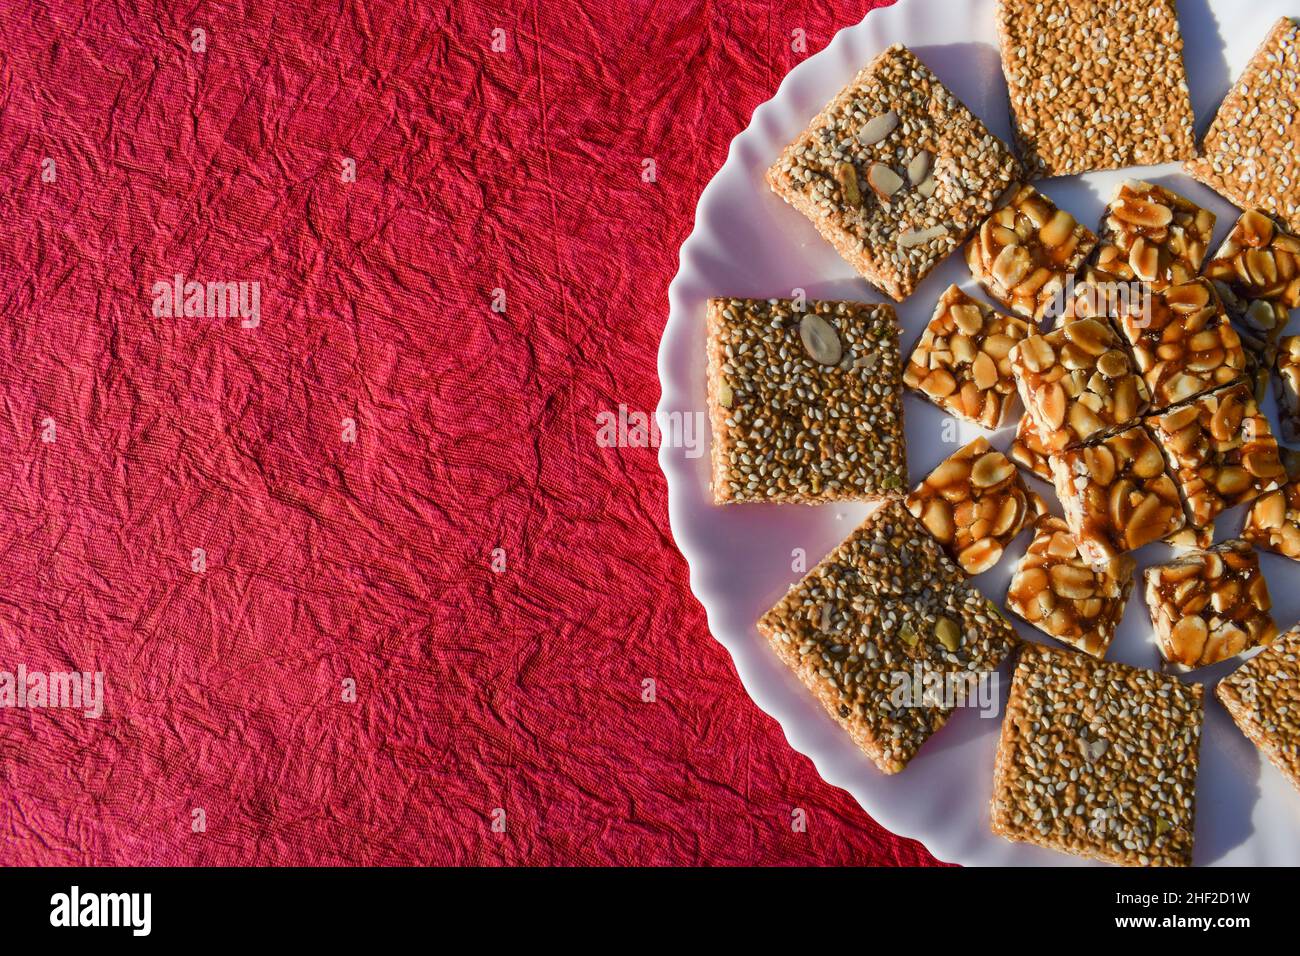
329, 561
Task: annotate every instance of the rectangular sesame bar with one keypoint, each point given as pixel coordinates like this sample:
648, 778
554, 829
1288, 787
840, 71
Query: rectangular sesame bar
1028, 451
1065, 597
961, 361
884, 602
1095, 84
1288, 387
895, 172
1153, 235
1220, 450
1078, 383
1263, 699
806, 406
1251, 152
1257, 274
1117, 495
1182, 340
1026, 251
1273, 521
1207, 606
1098, 759
974, 503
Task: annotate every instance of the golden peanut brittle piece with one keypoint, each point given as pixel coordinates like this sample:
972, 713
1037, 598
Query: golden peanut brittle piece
1287, 386
961, 362
1065, 597
1221, 451
1028, 451
1078, 383
1257, 275
1117, 495
1210, 605
1153, 235
1098, 759
1273, 521
974, 503
1026, 252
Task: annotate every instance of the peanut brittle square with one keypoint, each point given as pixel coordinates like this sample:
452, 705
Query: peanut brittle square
974, 503
1263, 699
1026, 252
895, 172
1098, 759
1117, 495
1221, 451
1095, 84
885, 602
1182, 340
1250, 152
805, 405
1028, 451
1065, 597
1078, 383
1153, 235
1257, 274
1288, 387
1207, 606
961, 361
1273, 521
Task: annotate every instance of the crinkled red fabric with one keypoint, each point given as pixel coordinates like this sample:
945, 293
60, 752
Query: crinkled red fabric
330, 561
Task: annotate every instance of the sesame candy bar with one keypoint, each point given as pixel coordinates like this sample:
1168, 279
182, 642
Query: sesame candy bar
1257, 274
1263, 698
974, 504
1078, 383
1251, 152
1221, 451
1182, 340
882, 603
1028, 451
1151, 234
1273, 521
1210, 605
1117, 495
1063, 596
961, 362
895, 172
805, 406
1095, 84
1026, 251
1098, 759
1288, 387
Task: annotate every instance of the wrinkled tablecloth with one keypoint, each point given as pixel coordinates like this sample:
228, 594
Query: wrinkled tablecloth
361, 584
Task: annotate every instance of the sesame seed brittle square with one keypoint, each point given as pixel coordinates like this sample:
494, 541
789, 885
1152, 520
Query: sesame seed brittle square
805, 405
1251, 152
1095, 84
1257, 275
961, 363
1208, 606
1065, 597
895, 172
1263, 698
1152, 235
1221, 451
1078, 383
885, 604
1117, 495
974, 503
1098, 759
1027, 251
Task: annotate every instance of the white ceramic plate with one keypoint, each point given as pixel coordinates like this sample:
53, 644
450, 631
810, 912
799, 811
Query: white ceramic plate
748, 242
